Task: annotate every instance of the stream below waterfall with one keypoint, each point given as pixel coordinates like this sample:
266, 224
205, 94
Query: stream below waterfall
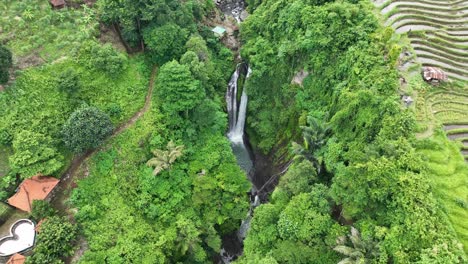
257, 167
237, 113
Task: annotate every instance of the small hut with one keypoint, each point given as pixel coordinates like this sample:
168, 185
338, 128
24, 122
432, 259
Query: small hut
57, 4
36, 188
433, 74
219, 31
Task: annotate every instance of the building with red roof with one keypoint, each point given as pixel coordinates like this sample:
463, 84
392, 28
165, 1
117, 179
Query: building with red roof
35, 188
17, 259
57, 3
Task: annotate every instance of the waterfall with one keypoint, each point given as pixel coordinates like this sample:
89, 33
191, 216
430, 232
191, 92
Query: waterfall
236, 132
236, 135
237, 115
237, 112
231, 98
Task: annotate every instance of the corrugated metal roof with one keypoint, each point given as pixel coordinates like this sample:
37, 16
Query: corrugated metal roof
219, 30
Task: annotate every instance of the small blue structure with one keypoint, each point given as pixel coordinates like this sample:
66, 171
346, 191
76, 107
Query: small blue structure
219, 31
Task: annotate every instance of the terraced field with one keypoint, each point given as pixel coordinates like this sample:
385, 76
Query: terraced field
438, 33
445, 105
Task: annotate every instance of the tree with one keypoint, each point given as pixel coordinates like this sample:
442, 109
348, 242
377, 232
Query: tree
197, 67
361, 251
315, 136
299, 178
198, 45
42, 209
165, 42
86, 128
134, 17
101, 57
5, 64
178, 91
34, 153
164, 158
55, 240
69, 83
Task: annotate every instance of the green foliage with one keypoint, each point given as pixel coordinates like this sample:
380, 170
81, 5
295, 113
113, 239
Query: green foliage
33, 103
101, 57
5, 212
86, 129
287, 36
315, 136
211, 69
378, 179
8, 184
299, 178
447, 174
42, 209
182, 211
34, 153
5, 63
185, 210
178, 92
69, 83
197, 45
359, 250
136, 18
54, 241
295, 230
166, 42
42, 34
164, 158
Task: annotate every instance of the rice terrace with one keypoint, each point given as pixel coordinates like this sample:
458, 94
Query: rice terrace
234, 131
438, 34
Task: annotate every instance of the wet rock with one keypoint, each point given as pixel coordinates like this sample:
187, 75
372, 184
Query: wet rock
243, 15
233, 8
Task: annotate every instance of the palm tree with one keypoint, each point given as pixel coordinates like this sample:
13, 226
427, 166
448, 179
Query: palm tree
164, 158
315, 136
361, 251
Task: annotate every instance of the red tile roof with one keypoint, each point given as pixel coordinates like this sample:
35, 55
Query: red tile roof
17, 259
57, 3
35, 188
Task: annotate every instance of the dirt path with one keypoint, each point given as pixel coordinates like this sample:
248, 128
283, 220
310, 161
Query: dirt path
142, 111
63, 190
67, 183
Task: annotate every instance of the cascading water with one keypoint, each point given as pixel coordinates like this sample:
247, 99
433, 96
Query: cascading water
237, 113
231, 98
236, 133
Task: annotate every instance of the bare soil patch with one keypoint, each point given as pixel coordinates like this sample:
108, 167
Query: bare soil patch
109, 35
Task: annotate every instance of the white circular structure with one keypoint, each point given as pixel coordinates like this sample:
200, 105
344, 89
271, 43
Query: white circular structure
22, 235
